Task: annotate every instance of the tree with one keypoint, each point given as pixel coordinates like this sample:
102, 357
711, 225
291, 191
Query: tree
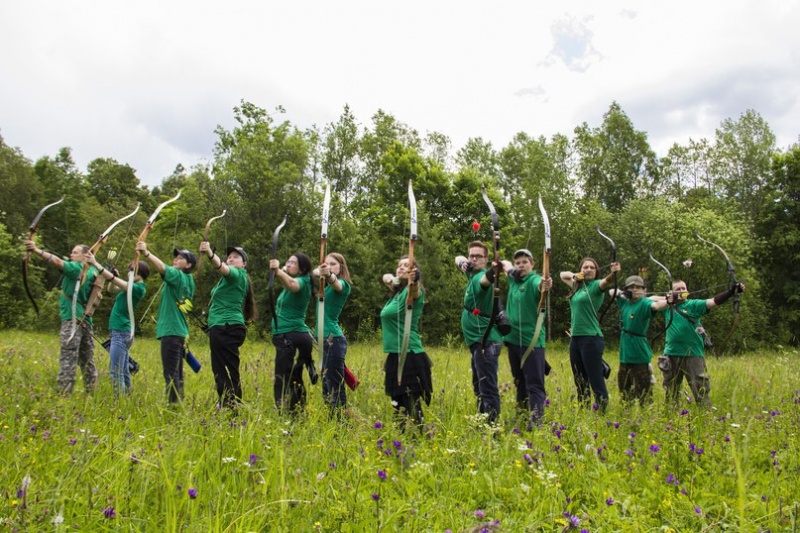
611, 159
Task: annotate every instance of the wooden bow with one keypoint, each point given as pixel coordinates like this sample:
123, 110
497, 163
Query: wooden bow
496, 266
137, 254
545, 275
206, 233
321, 292
412, 242
271, 283
604, 310
27, 256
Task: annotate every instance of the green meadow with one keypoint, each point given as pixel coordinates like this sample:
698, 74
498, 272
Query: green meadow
96, 463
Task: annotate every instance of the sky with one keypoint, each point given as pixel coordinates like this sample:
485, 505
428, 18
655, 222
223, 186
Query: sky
148, 83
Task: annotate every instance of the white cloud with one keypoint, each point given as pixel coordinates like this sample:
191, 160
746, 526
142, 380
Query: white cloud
147, 83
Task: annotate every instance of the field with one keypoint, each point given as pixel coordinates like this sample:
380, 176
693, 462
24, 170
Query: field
93, 463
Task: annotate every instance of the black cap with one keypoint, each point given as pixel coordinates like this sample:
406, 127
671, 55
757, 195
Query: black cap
186, 254
239, 250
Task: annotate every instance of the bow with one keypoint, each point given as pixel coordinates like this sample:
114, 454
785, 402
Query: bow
135, 267
206, 233
671, 307
412, 241
495, 260
545, 275
732, 282
96, 292
321, 293
613, 260
271, 284
27, 256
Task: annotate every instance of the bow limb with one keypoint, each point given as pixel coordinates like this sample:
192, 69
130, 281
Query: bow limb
732, 282
271, 283
496, 266
671, 307
94, 295
321, 292
412, 241
206, 233
613, 260
545, 274
134, 268
27, 256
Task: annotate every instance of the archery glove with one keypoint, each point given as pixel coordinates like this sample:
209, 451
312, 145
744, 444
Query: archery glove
723, 297
490, 275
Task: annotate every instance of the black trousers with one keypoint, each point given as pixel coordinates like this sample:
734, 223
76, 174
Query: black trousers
172, 363
293, 351
224, 342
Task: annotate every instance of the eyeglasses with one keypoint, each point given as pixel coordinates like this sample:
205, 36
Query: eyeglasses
476, 256
291, 262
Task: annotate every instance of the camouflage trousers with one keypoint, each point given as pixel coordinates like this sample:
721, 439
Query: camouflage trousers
74, 353
635, 382
696, 374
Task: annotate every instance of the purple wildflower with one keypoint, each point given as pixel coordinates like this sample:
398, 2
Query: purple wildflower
253, 459
698, 510
192, 493
654, 448
109, 512
377, 425
480, 514
382, 474
610, 501
375, 496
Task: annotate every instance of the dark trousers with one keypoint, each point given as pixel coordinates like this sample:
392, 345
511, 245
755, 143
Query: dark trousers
635, 383
586, 360
172, 363
696, 374
528, 381
484, 378
224, 342
408, 405
333, 386
289, 389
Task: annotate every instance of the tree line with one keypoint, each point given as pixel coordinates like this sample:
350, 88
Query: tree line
738, 190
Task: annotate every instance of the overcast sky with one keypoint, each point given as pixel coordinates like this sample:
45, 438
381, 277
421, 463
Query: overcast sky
146, 83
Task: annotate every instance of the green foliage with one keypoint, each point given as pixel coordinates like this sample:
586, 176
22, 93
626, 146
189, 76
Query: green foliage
194, 468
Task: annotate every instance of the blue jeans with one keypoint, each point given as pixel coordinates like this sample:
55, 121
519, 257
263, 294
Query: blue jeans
586, 359
484, 378
118, 352
333, 387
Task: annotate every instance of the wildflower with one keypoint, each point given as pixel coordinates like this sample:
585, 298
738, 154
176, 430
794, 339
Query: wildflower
671, 479
109, 512
631, 435
698, 510
382, 475
654, 448
480, 514
59, 518
528, 458
253, 459
397, 444
192, 493
684, 412
610, 501
331, 465
73, 441
375, 496
630, 452
320, 476
377, 425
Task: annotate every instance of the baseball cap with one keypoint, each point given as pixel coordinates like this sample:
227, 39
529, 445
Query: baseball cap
186, 254
523, 251
239, 250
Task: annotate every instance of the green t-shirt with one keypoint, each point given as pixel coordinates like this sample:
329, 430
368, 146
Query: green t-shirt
635, 318
477, 310
584, 306
522, 309
291, 308
119, 320
393, 321
71, 273
682, 339
227, 299
334, 303
178, 286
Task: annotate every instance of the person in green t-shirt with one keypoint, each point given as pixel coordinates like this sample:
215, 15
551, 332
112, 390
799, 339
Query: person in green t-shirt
586, 343
233, 305
119, 322
635, 377
171, 326
476, 314
76, 349
524, 293
684, 352
416, 384
290, 334
337, 290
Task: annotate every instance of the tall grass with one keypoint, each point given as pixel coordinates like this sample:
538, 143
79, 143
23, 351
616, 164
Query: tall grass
98, 464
